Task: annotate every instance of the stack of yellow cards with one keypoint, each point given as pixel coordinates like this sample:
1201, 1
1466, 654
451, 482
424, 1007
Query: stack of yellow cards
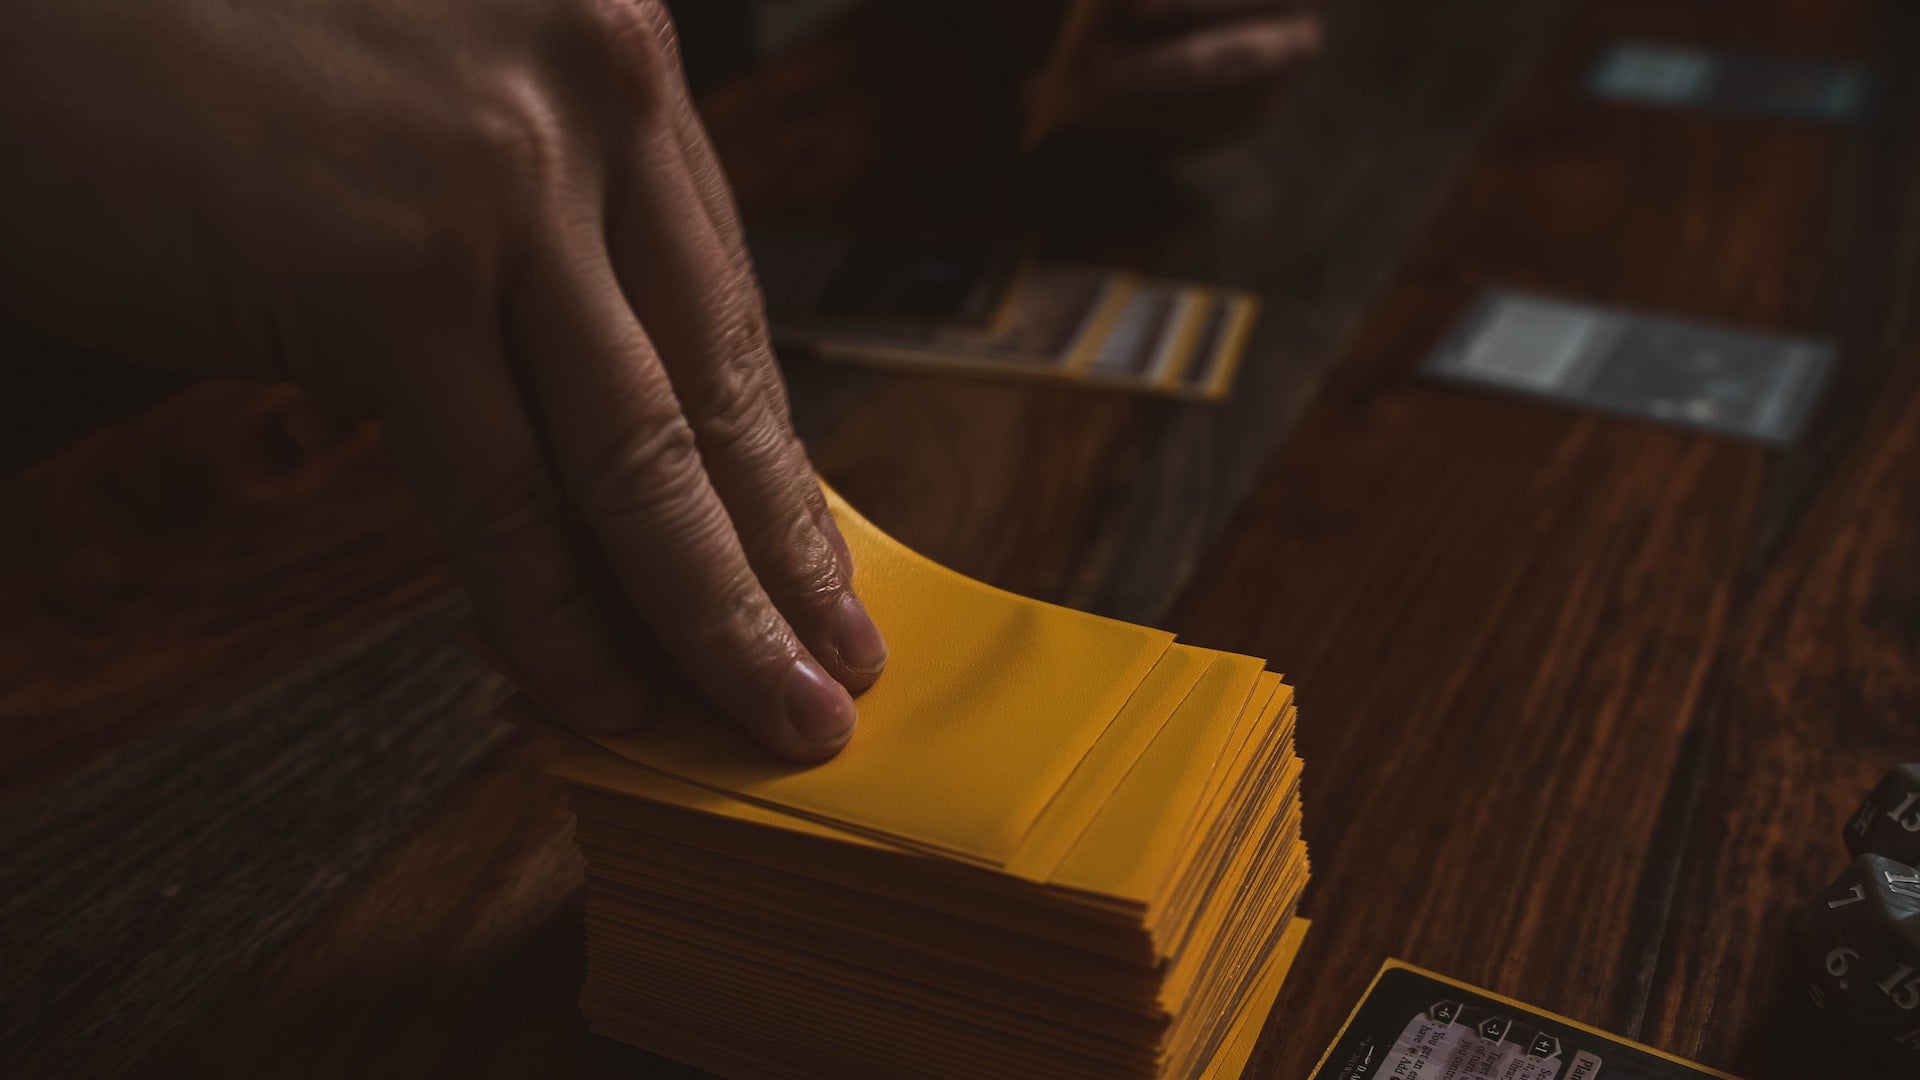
1058, 846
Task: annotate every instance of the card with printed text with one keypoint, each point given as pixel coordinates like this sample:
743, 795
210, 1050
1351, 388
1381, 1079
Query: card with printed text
1416, 1025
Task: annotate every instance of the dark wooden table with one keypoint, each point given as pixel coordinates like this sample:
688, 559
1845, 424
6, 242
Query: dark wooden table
1584, 700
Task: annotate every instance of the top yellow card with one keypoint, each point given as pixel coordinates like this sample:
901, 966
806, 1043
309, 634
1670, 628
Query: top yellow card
989, 704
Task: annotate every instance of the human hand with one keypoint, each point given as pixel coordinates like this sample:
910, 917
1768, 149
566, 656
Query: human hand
502, 223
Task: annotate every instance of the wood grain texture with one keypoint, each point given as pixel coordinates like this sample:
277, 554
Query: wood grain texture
181, 547
230, 674
227, 647
1820, 697
1506, 619
451, 956
1812, 708
176, 864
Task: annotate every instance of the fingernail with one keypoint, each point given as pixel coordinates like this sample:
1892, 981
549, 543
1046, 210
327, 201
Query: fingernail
859, 642
817, 707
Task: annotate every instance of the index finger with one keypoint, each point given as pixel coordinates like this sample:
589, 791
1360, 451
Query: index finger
673, 238
635, 474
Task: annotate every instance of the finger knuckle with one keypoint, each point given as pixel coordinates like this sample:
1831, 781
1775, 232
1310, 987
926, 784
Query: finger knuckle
515, 141
731, 407
801, 569
461, 212
652, 474
738, 622
773, 387
732, 418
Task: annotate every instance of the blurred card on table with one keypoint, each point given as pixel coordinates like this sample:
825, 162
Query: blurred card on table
979, 306
1678, 76
1674, 371
1220, 341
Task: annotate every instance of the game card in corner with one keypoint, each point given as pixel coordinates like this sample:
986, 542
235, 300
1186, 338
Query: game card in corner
1416, 1025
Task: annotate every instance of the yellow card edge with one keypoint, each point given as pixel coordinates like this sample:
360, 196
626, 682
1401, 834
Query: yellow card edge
1196, 299
1070, 811
1244, 1035
1081, 353
1233, 345
1003, 313
1089, 866
1390, 964
1177, 366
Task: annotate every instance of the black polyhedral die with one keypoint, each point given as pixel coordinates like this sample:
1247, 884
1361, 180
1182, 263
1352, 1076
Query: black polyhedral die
1861, 941
1888, 823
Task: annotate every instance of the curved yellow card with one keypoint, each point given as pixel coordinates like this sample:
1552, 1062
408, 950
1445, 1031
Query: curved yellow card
988, 705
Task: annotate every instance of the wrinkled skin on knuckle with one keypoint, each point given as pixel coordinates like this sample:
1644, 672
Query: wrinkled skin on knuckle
521, 170
651, 479
799, 565
736, 623
773, 386
516, 139
734, 422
